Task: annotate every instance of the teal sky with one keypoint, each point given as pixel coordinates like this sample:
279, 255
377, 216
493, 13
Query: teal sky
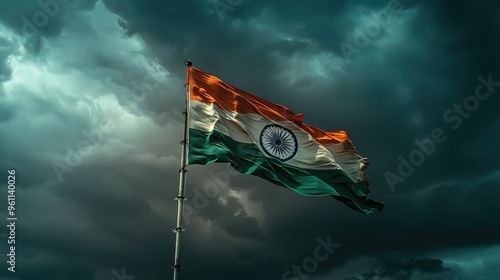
91, 95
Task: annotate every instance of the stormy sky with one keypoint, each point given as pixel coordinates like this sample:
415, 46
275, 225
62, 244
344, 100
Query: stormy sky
91, 96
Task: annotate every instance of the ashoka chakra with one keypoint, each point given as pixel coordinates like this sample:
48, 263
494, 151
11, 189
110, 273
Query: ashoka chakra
278, 142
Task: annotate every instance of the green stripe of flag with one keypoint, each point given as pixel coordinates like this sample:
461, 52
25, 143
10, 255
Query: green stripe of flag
212, 147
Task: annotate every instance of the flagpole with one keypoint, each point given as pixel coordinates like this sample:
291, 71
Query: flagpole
182, 181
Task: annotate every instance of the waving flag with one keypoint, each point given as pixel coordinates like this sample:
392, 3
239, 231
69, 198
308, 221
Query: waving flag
258, 137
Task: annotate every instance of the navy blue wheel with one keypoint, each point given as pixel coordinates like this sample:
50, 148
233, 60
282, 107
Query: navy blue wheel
278, 142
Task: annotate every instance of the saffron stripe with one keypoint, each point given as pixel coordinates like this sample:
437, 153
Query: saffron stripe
209, 89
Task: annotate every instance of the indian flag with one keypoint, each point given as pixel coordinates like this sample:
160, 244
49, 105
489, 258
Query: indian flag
258, 137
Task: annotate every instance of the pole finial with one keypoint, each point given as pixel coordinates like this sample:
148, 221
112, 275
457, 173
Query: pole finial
188, 63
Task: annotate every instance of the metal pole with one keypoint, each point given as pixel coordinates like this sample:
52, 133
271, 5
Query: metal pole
182, 181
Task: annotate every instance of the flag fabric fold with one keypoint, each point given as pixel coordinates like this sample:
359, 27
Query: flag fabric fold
258, 137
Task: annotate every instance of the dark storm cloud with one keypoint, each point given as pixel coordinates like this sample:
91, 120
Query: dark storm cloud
30, 18
231, 217
51, 116
115, 209
397, 270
